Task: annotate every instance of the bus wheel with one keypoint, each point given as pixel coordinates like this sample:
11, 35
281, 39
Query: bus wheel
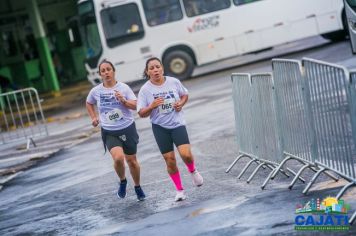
178, 64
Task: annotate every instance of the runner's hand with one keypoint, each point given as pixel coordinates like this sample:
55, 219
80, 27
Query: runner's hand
120, 97
178, 106
156, 103
95, 122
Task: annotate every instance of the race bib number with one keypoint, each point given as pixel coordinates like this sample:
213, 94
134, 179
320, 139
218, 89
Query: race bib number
114, 116
167, 106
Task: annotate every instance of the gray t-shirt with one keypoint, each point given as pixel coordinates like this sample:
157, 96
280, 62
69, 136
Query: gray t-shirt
164, 115
113, 115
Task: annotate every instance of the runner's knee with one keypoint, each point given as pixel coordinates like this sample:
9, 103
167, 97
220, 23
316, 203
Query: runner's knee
171, 162
118, 158
132, 162
186, 154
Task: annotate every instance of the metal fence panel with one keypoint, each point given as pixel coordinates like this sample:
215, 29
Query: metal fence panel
21, 116
353, 107
330, 103
265, 136
292, 107
242, 100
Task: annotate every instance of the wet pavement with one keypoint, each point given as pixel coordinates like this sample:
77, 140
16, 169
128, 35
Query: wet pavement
74, 191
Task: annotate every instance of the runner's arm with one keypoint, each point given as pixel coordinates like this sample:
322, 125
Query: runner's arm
92, 114
131, 104
146, 111
183, 100
179, 104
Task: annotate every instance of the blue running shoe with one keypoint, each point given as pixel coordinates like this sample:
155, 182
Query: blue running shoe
140, 194
121, 193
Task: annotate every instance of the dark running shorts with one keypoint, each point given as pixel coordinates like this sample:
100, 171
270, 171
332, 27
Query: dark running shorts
126, 138
166, 137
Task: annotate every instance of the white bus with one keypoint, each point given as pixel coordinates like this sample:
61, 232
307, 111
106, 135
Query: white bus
350, 6
189, 33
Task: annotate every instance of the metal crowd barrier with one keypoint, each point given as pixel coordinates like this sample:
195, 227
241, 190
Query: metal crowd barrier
21, 116
306, 113
293, 107
353, 104
256, 122
242, 86
333, 100
265, 143
243, 120
333, 115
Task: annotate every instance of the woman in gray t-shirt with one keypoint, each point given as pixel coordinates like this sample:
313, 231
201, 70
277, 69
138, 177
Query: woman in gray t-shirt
114, 101
162, 98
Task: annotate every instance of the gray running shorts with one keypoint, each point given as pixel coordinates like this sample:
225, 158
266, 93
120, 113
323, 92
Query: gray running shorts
126, 138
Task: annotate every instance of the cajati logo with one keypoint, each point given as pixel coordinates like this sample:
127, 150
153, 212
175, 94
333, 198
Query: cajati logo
329, 214
204, 24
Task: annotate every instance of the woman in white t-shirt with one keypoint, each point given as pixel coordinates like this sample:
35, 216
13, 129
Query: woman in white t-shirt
114, 101
162, 98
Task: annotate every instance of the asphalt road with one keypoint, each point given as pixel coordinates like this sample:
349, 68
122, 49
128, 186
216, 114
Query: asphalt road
73, 192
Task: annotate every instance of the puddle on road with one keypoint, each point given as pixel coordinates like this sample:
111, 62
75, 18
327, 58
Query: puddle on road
223, 206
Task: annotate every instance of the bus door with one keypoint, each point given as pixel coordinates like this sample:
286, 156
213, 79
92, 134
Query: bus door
350, 7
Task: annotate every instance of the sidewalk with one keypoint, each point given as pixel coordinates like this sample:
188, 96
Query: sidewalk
67, 124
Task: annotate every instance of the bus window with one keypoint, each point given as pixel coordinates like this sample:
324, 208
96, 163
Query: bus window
122, 24
240, 2
162, 11
199, 7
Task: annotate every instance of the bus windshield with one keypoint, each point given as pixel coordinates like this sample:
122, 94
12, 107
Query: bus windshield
121, 24
89, 29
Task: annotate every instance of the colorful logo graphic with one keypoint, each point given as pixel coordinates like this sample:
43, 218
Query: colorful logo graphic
329, 214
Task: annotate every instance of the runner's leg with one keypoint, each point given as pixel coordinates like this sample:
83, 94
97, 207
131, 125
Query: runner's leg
134, 167
172, 169
118, 156
187, 156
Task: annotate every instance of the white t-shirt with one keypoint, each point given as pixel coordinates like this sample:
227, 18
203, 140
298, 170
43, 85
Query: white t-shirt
113, 115
164, 115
